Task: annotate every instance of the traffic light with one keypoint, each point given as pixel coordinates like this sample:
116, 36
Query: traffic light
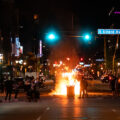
52, 37
81, 59
87, 37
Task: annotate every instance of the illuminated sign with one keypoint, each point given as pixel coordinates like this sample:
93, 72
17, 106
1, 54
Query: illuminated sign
81, 63
40, 54
108, 31
40, 48
21, 50
17, 46
87, 65
117, 12
100, 60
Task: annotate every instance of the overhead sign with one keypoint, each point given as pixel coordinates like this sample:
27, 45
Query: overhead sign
87, 65
81, 63
17, 46
108, 31
100, 60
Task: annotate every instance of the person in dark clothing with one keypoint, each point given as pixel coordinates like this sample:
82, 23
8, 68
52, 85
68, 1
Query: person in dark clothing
117, 87
34, 92
28, 89
8, 88
83, 87
16, 89
2, 87
112, 83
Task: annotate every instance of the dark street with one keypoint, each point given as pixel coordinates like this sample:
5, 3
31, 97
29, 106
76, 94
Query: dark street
63, 108
59, 60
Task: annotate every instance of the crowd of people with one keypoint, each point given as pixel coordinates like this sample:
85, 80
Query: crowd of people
114, 84
29, 86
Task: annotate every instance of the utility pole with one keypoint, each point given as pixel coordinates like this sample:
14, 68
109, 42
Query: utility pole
116, 46
105, 55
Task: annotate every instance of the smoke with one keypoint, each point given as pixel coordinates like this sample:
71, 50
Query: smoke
66, 49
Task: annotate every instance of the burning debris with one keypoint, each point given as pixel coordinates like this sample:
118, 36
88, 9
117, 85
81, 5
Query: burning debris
67, 85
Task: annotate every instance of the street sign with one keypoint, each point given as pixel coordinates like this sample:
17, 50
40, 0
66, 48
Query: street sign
108, 31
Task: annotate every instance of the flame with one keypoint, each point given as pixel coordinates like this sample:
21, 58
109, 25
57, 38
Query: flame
67, 79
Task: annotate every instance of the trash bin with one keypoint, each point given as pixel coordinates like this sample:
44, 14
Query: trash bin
70, 91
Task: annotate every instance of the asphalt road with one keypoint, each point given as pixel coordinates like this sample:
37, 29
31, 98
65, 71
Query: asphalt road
63, 108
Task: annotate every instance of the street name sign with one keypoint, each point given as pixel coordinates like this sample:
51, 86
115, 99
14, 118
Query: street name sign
108, 31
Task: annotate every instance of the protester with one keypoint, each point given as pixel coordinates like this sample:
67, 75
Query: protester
112, 80
83, 88
28, 88
117, 87
35, 92
41, 82
2, 87
32, 92
16, 89
8, 88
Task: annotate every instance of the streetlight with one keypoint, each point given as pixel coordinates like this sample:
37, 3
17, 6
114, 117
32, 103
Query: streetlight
17, 61
24, 63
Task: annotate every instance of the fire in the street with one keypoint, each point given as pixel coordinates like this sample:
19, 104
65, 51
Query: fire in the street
67, 79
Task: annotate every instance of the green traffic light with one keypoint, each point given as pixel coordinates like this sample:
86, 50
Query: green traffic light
52, 37
87, 37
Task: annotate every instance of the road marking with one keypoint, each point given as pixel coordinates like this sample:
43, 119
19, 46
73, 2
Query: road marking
39, 118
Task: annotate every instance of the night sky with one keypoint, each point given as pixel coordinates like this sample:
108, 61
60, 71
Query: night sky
88, 15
